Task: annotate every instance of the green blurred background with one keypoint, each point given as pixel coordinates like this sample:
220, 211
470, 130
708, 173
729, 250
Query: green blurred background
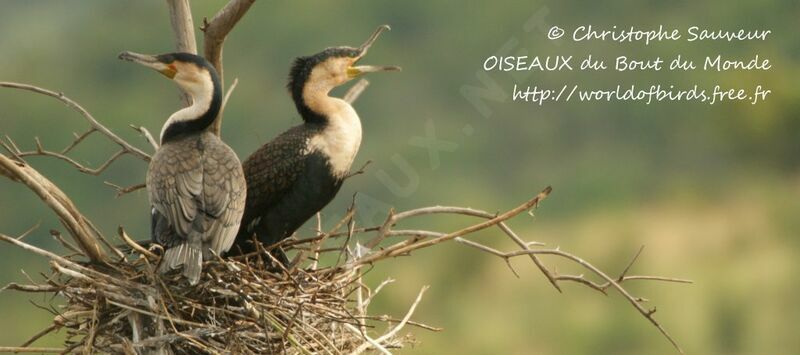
712, 191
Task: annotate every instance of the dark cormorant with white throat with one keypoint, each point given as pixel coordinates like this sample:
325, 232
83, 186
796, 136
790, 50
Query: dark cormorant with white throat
195, 181
296, 174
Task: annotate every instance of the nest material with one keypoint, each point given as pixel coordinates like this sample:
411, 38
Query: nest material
124, 306
237, 307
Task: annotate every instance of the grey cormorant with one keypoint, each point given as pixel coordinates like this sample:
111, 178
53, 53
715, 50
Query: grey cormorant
296, 174
195, 181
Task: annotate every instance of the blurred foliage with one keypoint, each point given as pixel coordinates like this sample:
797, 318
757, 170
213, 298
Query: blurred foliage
711, 190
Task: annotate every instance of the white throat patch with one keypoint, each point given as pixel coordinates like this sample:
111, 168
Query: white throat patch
200, 89
341, 138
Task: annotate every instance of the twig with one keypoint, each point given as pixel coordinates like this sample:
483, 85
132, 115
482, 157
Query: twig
30, 288
398, 327
215, 31
125, 190
404, 248
58, 201
369, 342
40, 151
355, 91
40, 334
29, 231
17, 349
228, 94
147, 136
57, 236
469, 212
360, 170
319, 235
78, 108
133, 244
78, 139
610, 281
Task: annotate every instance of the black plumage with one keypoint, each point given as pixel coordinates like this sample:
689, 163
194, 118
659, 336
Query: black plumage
299, 172
287, 185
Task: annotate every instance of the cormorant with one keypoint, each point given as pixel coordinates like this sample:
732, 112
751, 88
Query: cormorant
296, 174
195, 181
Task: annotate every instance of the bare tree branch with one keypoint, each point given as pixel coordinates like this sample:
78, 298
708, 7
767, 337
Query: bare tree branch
125, 190
58, 201
394, 330
216, 30
422, 239
40, 151
228, 94
180, 18
147, 136
405, 248
355, 91
393, 218
23, 349
127, 147
609, 281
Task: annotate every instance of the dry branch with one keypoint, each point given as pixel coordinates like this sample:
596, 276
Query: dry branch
616, 283
355, 91
77, 225
217, 29
405, 248
127, 147
215, 32
180, 19
306, 293
23, 349
419, 239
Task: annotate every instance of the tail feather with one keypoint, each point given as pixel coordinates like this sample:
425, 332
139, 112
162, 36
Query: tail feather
190, 257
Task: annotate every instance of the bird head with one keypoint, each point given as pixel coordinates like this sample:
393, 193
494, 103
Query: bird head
191, 72
333, 67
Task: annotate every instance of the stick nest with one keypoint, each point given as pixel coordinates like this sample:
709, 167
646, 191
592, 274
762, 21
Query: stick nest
237, 307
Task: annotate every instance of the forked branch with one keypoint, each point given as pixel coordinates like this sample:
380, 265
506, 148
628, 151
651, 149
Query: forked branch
126, 147
215, 32
374, 250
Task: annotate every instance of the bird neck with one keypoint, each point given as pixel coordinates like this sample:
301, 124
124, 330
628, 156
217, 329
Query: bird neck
340, 135
316, 107
206, 100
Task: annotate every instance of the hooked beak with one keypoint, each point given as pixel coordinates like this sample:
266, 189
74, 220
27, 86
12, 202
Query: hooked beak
151, 62
355, 71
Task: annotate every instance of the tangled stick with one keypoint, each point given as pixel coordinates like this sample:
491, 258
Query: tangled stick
154, 299
372, 251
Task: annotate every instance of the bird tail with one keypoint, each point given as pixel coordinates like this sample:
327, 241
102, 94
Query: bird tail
186, 254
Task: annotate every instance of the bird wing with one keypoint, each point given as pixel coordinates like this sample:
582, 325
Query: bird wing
198, 186
274, 167
174, 182
272, 170
224, 192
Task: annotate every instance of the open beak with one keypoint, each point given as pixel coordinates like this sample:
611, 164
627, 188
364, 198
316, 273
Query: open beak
355, 71
151, 62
